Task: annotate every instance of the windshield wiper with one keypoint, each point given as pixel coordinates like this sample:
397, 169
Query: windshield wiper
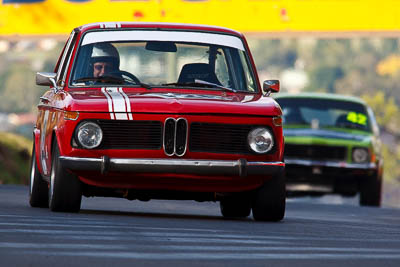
215, 85
145, 85
201, 83
104, 79
110, 79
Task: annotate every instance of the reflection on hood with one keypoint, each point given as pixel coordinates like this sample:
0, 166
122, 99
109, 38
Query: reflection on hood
184, 96
323, 133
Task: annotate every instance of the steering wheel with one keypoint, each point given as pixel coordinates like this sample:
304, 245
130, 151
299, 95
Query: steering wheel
122, 74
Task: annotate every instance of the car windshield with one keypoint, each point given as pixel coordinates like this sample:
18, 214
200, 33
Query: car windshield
324, 113
165, 59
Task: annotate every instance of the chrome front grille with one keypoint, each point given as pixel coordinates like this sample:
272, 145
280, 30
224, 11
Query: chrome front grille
315, 152
175, 136
169, 136
181, 136
219, 138
124, 134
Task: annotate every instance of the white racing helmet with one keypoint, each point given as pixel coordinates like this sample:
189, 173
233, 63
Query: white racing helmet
105, 52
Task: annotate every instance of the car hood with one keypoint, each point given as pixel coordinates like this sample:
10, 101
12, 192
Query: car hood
125, 100
326, 134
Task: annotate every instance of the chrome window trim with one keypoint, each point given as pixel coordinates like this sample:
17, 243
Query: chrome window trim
62, 62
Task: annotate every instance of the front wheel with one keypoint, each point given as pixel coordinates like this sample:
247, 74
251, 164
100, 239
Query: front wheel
236, 206
371, 191
269, 202
38, 188
65, 192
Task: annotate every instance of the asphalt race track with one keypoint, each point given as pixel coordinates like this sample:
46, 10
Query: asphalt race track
118, 232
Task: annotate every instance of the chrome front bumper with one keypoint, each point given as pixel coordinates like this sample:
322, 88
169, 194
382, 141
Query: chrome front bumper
240, 168
333, 164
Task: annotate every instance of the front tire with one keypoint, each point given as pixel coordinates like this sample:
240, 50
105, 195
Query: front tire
237, 206
269, 202
38, 188
65, 193
371, 191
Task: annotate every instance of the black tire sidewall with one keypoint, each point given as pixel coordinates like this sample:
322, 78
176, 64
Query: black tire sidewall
238, 206
65, 188
269, 202
38, 189
371, 190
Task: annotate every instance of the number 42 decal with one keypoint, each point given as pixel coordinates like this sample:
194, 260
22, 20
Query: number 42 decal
358, 118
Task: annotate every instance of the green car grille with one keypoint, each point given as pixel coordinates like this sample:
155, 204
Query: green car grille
315, 152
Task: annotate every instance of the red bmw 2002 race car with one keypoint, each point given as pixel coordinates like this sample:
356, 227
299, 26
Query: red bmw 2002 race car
158, 111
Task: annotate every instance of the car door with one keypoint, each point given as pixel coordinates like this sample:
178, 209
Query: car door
50, 106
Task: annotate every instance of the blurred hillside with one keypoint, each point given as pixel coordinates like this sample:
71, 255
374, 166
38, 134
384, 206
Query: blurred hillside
19, 61
365, 67
15, 153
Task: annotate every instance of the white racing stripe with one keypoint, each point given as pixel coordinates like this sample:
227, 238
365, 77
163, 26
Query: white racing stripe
128, 104
105, 25
118, 103
110, 104
133, 35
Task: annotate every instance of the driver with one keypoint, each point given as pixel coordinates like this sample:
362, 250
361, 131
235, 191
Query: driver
104, 59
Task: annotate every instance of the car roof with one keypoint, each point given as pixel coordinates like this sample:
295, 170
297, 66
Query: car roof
340, 97
157, 25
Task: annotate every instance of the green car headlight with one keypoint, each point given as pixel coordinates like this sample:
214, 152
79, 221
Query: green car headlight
260, 140
360, 155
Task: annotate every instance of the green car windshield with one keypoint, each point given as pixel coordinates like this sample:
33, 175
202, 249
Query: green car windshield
324, 113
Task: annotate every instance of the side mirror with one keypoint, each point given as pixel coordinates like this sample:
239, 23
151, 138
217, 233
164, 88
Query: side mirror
46, 78
270, 86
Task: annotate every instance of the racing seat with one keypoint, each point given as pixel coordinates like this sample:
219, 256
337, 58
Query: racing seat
294, 116
200, 71
342, 121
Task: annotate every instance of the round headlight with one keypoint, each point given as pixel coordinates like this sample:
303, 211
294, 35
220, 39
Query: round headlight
360, 155
260, 140
89, 135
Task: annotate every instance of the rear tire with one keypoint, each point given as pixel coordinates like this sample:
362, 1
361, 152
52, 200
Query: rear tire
65, 193
38, 188
371, 191
269, 202
237, 206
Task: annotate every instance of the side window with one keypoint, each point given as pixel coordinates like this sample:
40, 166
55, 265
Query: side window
81, 66
247, 73
62, 69
374, 124
242, 76
56, 68
221, 69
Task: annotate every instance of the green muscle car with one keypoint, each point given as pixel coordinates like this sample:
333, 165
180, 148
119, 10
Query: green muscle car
332, 146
